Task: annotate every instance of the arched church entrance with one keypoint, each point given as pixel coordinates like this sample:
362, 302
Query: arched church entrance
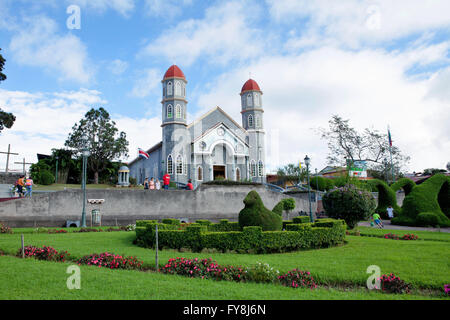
222, 161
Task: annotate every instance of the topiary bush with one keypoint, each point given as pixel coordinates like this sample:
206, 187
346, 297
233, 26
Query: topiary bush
386, 198
256, 214
279, 208
427, 219
404, 183
349, 203
432, 196
46, 178
321, 183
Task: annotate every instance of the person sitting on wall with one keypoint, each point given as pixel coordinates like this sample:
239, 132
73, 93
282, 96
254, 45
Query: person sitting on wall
146, 185
166, 180
152, 184
190, 186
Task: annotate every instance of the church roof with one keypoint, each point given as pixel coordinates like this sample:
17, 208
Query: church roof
250, 85
149, 151
174, 72
211, 111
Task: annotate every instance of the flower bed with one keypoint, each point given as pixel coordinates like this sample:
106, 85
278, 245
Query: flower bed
5, 229
404, 237
250, 240
297, 278
44, 253
111, 261
53, 231
393, 284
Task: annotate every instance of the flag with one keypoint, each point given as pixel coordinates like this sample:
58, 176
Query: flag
143, 154
299, 164
389, 136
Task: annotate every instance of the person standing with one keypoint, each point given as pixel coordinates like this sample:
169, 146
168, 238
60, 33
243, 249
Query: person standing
190, 186
146, 185
377, 219
152, 184
158, 184
390, 212
20, 185
166, 180
29, 187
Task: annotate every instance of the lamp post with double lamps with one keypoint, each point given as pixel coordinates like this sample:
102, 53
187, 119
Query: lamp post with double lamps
307, 162
85, 154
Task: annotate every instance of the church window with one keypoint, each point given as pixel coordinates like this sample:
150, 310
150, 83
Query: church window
169, 111
249, 100
178, 111
250, 121
260, 169
178, 88
257, 100
169, 88
185, 167
238, 174
253, 168
179, 165
169, 165
258, 122
184, 90
200, 174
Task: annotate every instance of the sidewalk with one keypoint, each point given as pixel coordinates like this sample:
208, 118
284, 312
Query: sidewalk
387, 225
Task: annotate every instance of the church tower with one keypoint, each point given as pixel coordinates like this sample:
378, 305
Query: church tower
252, 121
175, 150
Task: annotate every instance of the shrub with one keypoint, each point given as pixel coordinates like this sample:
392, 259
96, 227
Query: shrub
349, 203
286, 222
5, 229
426, 219
409, 237
44, 253
278, 209
111, 261
321, 183
297, 278
301, 219
391, 236
289, 204
393, 284
386, 198
46, 178
224, 226
171, 221
256, 214
261, 273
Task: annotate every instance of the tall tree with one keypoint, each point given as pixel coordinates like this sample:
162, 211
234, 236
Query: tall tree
346, 144
6, 119
105, 143
292, 171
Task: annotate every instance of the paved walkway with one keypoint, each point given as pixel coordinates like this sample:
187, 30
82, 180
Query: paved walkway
387, 225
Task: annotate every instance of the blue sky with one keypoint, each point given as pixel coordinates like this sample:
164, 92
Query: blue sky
373, 62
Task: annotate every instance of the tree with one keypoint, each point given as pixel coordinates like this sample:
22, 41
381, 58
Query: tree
448, 166
104, 141
6, 119
433, 171
292, 171
346, 145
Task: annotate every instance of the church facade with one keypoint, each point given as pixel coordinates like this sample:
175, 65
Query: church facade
212, 147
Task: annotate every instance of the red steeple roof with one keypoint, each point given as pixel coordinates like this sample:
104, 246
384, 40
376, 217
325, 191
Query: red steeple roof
174, 72
250, 85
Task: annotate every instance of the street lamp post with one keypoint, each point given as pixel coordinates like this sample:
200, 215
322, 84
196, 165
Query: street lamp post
85, 153
307, 162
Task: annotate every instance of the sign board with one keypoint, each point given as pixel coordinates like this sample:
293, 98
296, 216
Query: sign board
357, 169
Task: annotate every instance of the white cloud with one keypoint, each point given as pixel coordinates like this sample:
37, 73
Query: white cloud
39, 45
223, 35
354, 22
149, 81
117, 67
43, 120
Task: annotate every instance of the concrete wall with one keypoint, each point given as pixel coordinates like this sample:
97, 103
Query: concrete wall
126, 206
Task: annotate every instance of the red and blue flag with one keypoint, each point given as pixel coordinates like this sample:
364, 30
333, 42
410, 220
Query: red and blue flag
143, 154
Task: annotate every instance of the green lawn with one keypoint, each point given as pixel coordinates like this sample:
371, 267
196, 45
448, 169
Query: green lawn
425, 264
423, 235
32, 279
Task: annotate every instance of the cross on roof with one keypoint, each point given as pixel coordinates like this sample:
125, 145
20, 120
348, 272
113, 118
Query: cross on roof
24, 163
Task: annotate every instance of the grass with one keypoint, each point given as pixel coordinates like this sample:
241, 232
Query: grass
32, 279
423, 235
425, 264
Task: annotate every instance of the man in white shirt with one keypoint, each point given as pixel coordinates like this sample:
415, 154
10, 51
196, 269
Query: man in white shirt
390, 212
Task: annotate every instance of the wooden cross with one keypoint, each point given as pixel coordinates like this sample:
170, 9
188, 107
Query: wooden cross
7, 156
24, 163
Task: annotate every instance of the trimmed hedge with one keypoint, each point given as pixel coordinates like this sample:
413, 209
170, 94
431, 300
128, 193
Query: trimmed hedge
404, 183
171, 221
432, 196
255, 214
250, 240
301, 219
321, 183
386, 197
224, 226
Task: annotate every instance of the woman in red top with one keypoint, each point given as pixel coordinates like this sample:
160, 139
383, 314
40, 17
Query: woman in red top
166, 180
189, 185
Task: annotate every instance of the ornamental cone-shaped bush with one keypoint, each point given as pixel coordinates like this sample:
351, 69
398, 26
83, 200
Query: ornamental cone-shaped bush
256, 214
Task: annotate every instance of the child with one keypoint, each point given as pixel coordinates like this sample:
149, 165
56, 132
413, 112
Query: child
158, 184
377, 219
152, 184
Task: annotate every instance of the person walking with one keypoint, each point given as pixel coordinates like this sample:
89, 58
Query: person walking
166, 181
146, 185
152, 184
390, 212
20, 184
158, 184
190, 186
29, 187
